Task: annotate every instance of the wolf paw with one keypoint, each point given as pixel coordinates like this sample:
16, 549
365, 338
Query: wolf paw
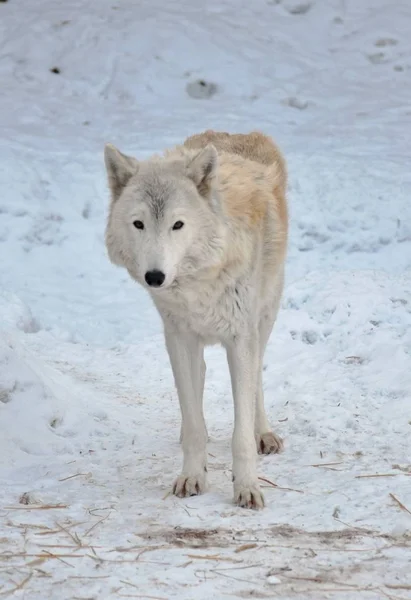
190, 485
249, 496
269, 443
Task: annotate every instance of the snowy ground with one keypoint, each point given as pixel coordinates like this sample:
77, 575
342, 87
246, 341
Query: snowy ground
89, 419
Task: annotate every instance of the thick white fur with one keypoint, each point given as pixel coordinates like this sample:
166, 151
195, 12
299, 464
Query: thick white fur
223, 279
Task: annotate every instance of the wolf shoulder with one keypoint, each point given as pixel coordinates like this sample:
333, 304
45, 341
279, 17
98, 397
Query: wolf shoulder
252, 175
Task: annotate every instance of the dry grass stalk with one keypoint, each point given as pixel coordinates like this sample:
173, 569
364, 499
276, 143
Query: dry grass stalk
90, 577
390, 596
66, 546
51, 555
137, 547
278, 487
287, 489
36, 562
333, 469
129, 583
73, 476
98, 523
37, 507
376, 475
43, 573
309, 579
347, 524
143, 597
73, 536
213, 557
320, 579
268, 481
242, 567
393, 586
93, 511
27, 526
317, 549
49, 532
137, 587
400, 504
18, 586
98, 559
334, 590
143, 551
184, 565
229, 576
61, 528
245, 547
330, 464
46, 555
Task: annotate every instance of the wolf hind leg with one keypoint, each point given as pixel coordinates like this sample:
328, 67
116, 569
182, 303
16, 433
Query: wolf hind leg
267, 441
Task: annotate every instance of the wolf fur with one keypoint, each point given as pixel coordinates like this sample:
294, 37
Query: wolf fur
207, 222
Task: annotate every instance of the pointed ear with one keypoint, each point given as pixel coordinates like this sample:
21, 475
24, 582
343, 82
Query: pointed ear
203, 169
119, 169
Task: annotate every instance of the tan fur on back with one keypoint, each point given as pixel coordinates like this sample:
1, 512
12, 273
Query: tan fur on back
255, 146
252, 177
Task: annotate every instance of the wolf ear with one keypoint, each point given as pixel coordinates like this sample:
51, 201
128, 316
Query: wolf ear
119, 169
203, 169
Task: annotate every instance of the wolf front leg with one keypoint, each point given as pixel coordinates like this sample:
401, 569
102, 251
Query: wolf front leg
200, 384
243, 360
186, 356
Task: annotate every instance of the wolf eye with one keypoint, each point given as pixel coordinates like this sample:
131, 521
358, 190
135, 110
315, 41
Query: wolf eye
138, 224
178, 225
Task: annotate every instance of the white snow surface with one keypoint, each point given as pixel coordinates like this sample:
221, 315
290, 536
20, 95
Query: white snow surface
89, 418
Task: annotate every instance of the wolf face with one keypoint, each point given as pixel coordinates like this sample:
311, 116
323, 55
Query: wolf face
165, 216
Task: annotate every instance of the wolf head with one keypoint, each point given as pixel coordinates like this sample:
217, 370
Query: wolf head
166, 222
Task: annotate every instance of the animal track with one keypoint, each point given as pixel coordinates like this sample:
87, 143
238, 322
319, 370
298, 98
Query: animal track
311, 237
294, 102
55, 422
46, 231
299, 8
383, 42
308, 336
399, 301
5, 395
377, 58
201, 89
28, 498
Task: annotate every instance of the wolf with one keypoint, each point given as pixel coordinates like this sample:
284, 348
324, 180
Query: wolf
203, 228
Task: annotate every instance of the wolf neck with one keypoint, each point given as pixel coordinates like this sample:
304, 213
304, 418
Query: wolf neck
231, 260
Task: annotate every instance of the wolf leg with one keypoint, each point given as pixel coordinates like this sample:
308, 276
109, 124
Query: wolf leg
267, 441
200, 388
243, 361
186, 357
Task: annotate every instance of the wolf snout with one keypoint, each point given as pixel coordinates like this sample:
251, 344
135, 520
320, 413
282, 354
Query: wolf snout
154, 278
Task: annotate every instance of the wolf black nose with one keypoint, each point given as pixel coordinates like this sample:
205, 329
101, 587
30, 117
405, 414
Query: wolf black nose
154, 278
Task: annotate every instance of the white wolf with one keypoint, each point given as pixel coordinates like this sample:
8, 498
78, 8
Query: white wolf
204, 229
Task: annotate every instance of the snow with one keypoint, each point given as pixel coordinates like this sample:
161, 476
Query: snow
89, 417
